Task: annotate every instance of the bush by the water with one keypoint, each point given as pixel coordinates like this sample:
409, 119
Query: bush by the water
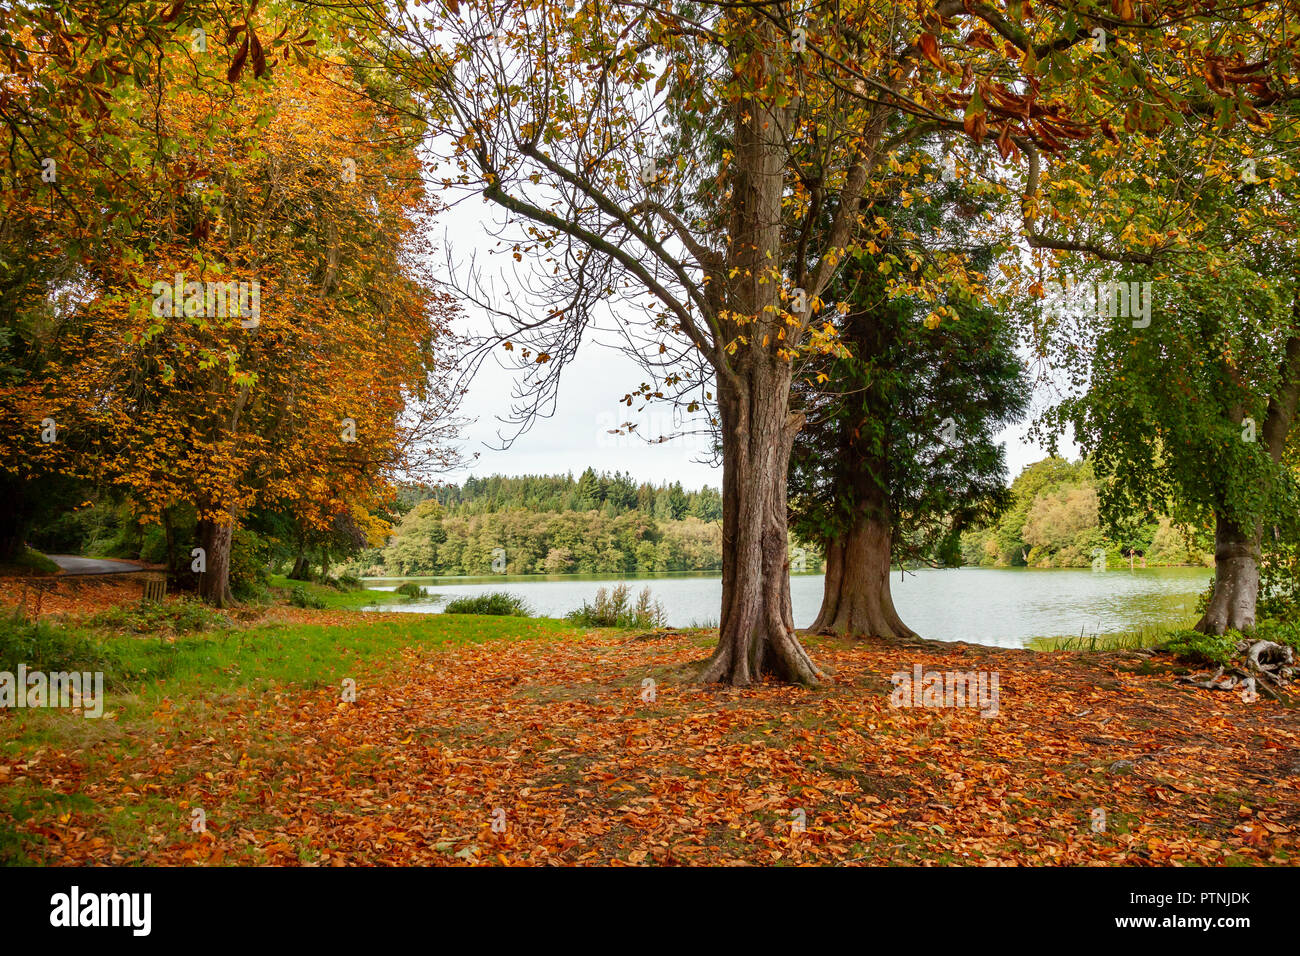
615, 609
410, 589
299, 596
1202, 649
497, 602
1218, 649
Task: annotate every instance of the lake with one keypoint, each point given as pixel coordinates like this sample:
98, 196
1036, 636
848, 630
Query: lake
1003, 607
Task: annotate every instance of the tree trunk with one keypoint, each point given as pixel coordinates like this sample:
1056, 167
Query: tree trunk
856, 599
301, 569
15, 518
1236, 580
214, 583
13, 537
756, 634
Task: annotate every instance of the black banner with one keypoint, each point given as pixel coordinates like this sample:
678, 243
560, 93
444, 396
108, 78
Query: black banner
338, 906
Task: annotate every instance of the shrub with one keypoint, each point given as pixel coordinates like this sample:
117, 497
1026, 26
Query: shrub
1201, 649
45, 647
411, 589
153, 545
1279, 630
181, 617
249, 557
300, 597
613, 609
497, 602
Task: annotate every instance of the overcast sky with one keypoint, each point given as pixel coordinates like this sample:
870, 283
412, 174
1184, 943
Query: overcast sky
577, 435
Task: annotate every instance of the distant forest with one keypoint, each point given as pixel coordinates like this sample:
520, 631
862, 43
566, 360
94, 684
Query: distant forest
610, 494
551, 524
1053, 522
606, 523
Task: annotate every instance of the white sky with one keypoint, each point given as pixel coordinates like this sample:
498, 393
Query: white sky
576, 436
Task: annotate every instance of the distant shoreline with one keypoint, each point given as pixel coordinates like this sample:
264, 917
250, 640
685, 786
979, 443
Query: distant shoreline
647, 575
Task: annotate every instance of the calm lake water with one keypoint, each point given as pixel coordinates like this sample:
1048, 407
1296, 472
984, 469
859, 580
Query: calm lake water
1002, 607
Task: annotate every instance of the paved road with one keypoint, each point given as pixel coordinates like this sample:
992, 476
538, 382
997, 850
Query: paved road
72, 564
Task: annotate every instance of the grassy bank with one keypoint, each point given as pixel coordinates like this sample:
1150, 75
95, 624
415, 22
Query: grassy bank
29, 562
333, 598
1143, 637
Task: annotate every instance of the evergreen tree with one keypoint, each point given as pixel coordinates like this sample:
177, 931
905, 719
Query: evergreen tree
897, 457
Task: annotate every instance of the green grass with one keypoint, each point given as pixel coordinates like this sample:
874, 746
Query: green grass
1181, 641
146, 670
30, 562
1143, 637
1203, 649
332, 598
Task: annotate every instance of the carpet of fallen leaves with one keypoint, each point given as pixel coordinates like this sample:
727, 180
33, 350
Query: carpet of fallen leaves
68, 595
543, 751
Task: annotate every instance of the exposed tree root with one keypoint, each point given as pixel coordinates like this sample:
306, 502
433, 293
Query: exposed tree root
1262, 663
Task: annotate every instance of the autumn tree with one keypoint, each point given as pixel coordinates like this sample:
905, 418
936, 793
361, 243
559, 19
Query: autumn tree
264, 332
328, 390
1172, 316
61, 205
558, 113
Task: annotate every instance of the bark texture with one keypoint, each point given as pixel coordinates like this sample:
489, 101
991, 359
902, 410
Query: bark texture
214, 583
857, 599
1236, 579
756, 630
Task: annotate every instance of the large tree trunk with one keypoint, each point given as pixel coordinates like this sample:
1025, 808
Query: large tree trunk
15, 518
756, 634
214, 583
857, 599
1236, 580
301, 567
